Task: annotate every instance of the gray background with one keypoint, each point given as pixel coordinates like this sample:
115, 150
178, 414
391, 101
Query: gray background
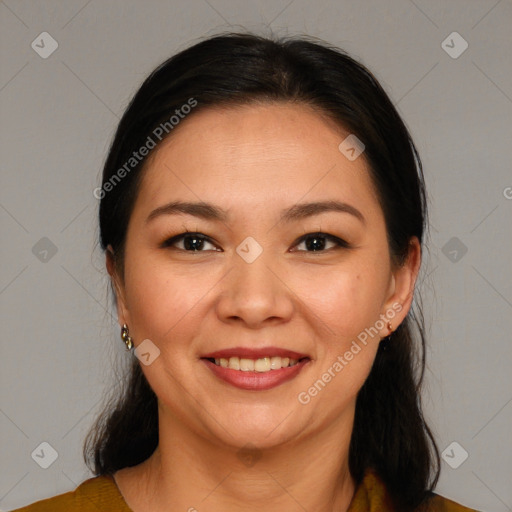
60, 344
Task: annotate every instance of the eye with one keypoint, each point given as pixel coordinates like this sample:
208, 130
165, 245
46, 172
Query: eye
315, 242
197, 242
192, 242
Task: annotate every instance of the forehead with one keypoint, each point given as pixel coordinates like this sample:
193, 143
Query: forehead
253, 155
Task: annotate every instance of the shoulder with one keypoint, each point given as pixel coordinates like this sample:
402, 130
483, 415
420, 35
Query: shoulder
97, 493
372, 494
438, 503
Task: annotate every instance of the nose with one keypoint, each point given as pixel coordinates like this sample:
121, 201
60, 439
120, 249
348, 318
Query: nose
255, 294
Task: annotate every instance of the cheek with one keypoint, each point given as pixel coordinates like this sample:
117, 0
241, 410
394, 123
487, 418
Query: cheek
347, 376
346, 300
164, 302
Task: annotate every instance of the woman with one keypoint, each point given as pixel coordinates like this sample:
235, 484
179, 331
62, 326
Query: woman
262, 212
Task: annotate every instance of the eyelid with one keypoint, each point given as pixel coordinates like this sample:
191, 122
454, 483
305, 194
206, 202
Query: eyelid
340, 243
169, 242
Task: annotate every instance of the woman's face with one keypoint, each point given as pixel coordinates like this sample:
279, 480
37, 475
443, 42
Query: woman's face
255, 281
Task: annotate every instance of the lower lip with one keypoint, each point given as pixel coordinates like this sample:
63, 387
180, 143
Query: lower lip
256, 381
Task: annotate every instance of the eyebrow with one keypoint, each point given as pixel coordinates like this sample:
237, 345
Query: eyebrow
209, 211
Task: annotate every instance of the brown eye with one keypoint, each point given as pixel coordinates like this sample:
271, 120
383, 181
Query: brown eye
316, 242
190, 242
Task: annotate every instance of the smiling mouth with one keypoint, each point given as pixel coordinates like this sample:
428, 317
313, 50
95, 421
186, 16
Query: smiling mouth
260, 365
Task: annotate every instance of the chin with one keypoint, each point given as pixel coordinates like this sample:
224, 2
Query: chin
262, 433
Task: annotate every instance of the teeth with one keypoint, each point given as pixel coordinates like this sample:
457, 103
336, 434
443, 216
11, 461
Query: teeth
247, 365
275, 362
234, 363
262, 365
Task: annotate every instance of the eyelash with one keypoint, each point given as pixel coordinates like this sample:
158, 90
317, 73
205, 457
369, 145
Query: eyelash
340, 243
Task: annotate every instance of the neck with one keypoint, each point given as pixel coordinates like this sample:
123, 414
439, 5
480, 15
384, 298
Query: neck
193, 474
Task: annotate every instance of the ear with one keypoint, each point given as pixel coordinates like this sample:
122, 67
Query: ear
401, 289
117, 283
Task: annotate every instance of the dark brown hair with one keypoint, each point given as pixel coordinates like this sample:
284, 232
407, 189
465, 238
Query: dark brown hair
390, 433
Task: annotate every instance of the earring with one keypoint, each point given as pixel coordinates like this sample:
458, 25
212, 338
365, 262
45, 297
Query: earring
126, 337
385, 341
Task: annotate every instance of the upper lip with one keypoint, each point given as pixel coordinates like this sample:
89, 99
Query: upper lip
254, 353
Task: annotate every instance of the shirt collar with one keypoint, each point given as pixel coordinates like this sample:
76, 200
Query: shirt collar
371, 495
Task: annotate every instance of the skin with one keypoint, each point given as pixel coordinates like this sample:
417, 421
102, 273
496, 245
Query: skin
255, 161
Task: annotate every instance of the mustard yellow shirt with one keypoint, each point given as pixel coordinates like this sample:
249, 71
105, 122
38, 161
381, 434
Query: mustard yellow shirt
101, 494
